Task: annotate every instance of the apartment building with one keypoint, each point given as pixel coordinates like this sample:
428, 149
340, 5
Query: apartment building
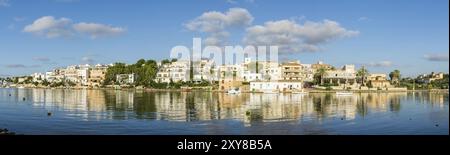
344, 75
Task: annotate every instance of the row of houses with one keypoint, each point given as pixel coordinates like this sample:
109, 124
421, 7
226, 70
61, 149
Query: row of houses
249, 75
259, 75
82, 75
427, 78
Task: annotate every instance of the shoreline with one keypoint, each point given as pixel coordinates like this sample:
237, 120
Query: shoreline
222, 91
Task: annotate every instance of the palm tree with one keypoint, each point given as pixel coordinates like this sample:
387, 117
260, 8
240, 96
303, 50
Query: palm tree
362, 72
321, 72
395, 76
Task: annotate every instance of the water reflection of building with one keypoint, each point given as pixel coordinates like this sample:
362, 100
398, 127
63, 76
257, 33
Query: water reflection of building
382, 102
171, 106
437, 98
203, 106
96, 101
272, 108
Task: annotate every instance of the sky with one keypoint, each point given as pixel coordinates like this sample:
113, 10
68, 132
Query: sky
382, 35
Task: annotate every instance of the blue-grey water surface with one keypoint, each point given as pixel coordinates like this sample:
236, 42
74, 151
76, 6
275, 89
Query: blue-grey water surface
131, 112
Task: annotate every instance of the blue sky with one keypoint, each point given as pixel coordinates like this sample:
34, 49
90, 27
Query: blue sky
383, 35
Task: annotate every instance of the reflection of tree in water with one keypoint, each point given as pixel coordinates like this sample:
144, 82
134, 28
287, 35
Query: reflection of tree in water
191, 112
394, 104
115, 105
145, 107
321, 103
361, 106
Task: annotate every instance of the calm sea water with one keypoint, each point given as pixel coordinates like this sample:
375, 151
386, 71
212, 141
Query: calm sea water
107, 112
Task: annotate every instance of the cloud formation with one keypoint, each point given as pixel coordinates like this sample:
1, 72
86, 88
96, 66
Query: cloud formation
293, 37
443, 57
215, 24
98, 30
380, 64
51, 27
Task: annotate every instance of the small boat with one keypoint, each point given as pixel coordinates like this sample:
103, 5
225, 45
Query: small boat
234, 91
344, 93
21, 87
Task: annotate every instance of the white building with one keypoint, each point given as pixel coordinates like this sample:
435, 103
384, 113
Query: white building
275, 85
248, 76
71, 74
205, 70
271, 71
345, 75
231, 72
54, 76
83, 74
38, 77
175, 71
126, 78
308, 72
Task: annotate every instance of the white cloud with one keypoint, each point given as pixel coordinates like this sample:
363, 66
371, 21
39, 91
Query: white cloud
4, 3
437, 57
215, 24
380, 64
50, 27
292, 37
98, 30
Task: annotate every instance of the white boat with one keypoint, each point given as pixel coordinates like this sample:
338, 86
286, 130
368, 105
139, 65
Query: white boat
344, 93
234, 91
21, 87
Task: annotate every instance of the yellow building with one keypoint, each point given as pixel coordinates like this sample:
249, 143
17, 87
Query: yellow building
379, 81
97, 76
291, 71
